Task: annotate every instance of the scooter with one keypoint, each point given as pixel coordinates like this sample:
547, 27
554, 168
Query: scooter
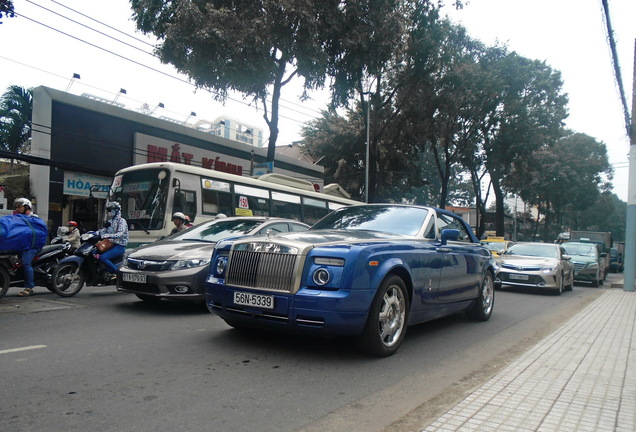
82, 268
12, 270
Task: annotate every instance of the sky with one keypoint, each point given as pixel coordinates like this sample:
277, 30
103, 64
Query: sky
50, 40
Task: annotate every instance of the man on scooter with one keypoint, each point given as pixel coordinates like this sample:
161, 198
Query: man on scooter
116, 230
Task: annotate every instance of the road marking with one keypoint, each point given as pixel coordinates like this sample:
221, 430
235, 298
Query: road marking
32, 347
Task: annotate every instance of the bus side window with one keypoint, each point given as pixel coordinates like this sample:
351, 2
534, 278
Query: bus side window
257, 206
314, 210
185, 202
286, 205
215, 202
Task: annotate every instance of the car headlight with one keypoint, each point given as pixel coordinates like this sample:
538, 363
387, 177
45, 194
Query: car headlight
547, 269
592, 266
220, 266
184, 264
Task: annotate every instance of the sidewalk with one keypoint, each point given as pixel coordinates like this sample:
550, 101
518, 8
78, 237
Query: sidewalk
582, 377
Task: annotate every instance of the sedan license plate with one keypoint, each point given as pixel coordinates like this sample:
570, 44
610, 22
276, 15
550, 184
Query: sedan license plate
519, 277
256, 300
136, 278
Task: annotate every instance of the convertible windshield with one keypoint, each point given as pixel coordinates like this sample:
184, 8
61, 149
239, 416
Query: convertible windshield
544, 250
389, 219
216, 230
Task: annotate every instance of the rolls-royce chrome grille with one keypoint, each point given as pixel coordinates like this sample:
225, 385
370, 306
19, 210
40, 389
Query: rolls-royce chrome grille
262, 270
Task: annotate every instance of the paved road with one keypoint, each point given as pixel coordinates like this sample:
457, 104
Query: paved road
105, 361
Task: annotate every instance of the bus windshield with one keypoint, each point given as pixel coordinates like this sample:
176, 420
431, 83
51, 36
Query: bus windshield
142, 195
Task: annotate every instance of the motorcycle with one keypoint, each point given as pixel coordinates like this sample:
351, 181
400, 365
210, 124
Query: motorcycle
82, 268
12, 270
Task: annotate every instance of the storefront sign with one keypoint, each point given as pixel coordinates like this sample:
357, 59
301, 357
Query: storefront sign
153, 149
80, 185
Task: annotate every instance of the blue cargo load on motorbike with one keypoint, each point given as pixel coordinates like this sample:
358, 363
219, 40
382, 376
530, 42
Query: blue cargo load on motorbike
19, 232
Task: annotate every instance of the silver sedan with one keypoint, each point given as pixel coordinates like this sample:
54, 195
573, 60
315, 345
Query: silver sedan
536, 265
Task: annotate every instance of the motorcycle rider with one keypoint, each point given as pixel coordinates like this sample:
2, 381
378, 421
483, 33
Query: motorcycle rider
23, 207
116, 230
73, 236
180, 222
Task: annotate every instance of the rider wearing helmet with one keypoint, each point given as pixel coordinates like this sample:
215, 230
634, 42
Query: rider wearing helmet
23, 207
116, 230
180, 222
73, 236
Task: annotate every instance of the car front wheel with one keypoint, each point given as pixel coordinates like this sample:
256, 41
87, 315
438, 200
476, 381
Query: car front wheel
484, 304
386, 324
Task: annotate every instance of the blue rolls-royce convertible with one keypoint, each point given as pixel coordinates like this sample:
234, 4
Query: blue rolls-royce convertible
366, 271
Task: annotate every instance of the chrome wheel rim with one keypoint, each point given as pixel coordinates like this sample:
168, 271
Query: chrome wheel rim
488, 295
392, 316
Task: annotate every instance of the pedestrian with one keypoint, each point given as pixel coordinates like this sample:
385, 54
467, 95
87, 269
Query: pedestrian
116, 230
180, 222
26, 233
73, 235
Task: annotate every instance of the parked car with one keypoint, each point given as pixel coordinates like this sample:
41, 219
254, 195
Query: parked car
366, 271
537, 265
176, 267
587, 260
616, 261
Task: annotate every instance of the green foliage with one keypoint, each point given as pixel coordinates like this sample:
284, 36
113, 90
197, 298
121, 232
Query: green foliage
16, 107
6, 8
249, 46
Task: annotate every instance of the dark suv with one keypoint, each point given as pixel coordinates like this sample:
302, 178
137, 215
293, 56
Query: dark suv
587, 260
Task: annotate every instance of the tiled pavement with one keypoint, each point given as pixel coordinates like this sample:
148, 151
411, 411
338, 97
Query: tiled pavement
582, 377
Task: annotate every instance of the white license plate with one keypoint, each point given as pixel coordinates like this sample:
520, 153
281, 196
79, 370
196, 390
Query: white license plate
255, 300
136, 278
519, 277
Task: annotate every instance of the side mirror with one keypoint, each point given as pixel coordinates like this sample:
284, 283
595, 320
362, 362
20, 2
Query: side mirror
449, 235
566, 257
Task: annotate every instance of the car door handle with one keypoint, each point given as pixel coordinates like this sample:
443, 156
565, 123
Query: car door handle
443, 249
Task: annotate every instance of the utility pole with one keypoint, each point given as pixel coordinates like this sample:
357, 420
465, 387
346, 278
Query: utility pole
630, 220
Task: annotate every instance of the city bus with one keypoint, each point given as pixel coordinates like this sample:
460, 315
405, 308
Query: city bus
150, 193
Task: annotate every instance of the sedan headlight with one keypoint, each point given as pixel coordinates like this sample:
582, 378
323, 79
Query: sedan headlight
592, 266
548, 269
184, 264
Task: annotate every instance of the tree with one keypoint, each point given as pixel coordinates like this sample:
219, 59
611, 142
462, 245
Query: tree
16, 108
367, 64
252, 47
529, 114
6, 8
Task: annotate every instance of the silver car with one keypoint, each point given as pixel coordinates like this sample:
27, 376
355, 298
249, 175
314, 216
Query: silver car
536, 265
176, 267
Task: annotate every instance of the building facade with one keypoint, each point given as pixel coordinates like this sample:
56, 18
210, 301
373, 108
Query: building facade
79, 143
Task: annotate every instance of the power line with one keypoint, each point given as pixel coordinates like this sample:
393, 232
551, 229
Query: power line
311, 116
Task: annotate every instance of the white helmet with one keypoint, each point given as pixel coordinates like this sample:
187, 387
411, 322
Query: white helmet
22, 202
113, 205
220, 216
179, 215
